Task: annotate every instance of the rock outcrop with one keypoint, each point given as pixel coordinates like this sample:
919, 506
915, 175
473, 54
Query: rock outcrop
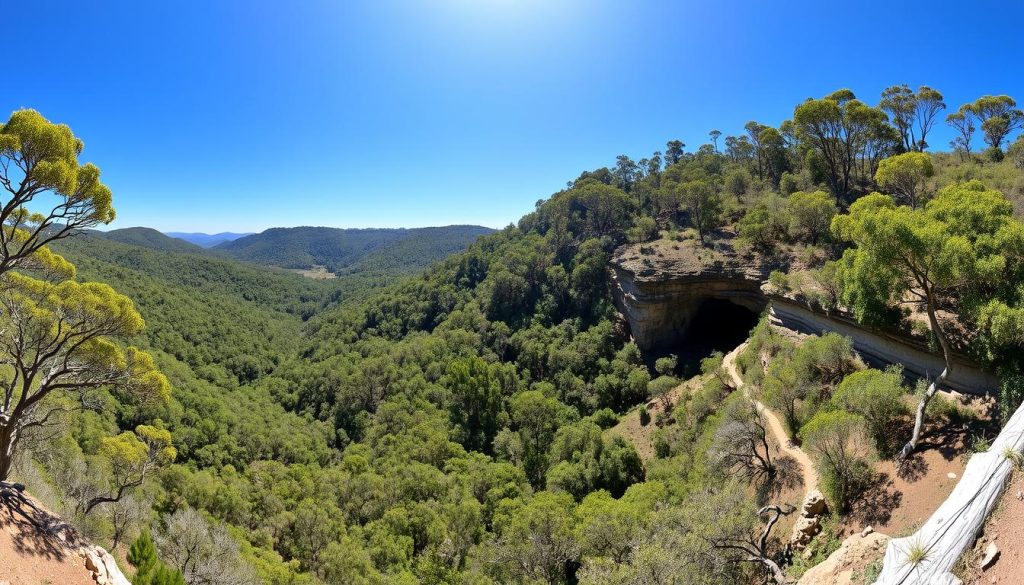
102, 565
848, 561
659, 288
808, 525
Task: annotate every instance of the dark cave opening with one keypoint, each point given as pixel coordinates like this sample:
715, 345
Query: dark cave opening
716, 325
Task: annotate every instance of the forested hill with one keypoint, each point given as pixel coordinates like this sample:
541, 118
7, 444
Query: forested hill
352, 250
147, 238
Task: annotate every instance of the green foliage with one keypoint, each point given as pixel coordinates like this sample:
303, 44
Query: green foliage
766, 224
842, 453
702, 205
810, 215
878, 397
147, 238
148, 568
351, 251
645, 416
905, 176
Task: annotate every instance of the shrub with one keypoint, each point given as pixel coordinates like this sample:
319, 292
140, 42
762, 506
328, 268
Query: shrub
666, 365
878, 397
810, 215
788, 183
643, 230
645, 416
842, 451
605, 418
779, 281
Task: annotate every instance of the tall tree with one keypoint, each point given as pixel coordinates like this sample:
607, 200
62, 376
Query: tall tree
57, 350
754, 133
929, 104
654, 163
848, 137
715, 135
626, 172
999, 116
900, 103
962, 121
959, 254
702, 203
673, 152
39, 159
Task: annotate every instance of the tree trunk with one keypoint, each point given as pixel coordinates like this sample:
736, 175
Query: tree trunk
8, 438
934, 386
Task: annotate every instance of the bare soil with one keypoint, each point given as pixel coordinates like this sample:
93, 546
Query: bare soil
642, 436
1005, 527
902, 497
32, 550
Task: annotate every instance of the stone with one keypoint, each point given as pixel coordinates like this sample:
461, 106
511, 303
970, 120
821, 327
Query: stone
855, 553
991, 554
951, 475
867, 530
103, 567
814, 504
804, 530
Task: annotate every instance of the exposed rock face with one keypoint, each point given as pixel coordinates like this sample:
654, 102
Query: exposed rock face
103, 567
809, 523
856, 553
880, 348
660, 287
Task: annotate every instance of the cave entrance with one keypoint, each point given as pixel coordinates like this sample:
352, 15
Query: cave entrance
716, 325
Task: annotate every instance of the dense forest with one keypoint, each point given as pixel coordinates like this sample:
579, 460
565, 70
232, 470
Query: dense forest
452, 426
391, 251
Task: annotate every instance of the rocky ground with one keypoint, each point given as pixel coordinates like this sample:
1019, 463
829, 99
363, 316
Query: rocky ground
38, 548
998, 556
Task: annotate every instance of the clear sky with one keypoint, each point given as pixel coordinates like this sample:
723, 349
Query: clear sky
242, 115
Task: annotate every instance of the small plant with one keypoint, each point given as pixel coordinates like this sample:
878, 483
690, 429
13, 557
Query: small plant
980, 443
1015, 457
645, 416
916, 554
779, 281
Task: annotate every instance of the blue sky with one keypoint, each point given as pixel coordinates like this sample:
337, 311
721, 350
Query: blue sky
243, 115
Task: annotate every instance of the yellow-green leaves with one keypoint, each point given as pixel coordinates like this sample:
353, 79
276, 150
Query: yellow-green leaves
146, 383
905, 175
40, 159
75, 323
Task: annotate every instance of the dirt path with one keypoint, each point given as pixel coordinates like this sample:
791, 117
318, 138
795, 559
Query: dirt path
810, 477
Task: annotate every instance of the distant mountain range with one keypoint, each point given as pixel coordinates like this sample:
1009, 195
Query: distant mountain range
207, 240
380, 251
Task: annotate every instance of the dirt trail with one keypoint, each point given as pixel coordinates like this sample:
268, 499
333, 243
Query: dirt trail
810, 477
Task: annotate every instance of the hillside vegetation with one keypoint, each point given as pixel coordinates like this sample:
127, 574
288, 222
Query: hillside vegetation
147, 238
449, 429
351, 250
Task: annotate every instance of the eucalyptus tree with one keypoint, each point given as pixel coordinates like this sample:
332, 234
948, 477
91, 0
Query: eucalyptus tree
673, 152
57, 349
999, 116
959, 260
962, 121
906, 176
848, 136
715, 135
912, 113
39, 160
